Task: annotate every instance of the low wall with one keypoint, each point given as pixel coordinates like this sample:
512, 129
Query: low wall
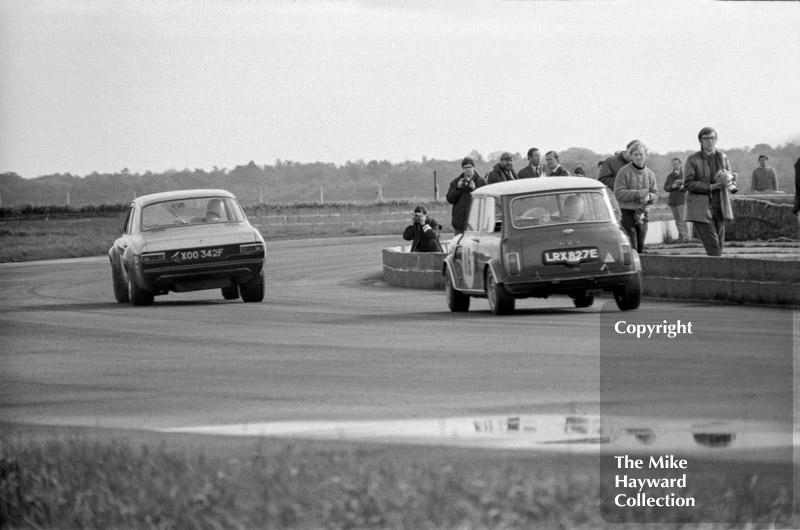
728, 279
419, 270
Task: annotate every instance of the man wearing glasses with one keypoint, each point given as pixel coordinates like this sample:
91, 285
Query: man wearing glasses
502, 171
708, 180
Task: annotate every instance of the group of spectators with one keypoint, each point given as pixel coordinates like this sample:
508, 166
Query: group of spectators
699, 191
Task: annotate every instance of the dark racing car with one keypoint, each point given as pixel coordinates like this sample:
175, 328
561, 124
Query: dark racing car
187, 241
541, 237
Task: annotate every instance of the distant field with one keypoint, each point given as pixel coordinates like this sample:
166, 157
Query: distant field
77, 237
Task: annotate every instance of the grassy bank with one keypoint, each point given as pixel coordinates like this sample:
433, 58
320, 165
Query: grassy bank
86, 482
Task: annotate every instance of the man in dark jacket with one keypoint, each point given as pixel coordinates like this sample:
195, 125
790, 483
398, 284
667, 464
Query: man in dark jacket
502, 171
423, 232
796, 209
460, 193
612, 165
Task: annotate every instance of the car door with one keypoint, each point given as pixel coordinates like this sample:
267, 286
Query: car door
469, 246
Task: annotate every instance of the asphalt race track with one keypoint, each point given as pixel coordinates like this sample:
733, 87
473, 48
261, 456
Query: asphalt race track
332, 343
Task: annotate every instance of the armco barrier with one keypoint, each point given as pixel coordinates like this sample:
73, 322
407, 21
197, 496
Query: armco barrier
695, 277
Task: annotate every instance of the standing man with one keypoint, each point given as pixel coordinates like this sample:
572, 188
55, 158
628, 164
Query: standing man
554, 165
459, 194
706, 178
534, 167
764, 178
677, 199
796, 209
612, 165
502, 171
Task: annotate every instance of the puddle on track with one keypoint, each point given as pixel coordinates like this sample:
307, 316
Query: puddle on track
541, 432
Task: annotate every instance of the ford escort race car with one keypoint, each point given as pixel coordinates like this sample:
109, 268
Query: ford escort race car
187, 241
540, 237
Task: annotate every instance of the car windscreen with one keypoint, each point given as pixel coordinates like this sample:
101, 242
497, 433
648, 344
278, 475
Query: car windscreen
181, 212
559, 208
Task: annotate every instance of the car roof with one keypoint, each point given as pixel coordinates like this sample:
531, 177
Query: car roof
144, 200
532, 185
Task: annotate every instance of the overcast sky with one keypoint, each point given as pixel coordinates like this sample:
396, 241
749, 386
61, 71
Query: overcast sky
149, 85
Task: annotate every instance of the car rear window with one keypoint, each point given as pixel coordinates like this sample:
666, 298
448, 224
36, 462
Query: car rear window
559, 208
182, 212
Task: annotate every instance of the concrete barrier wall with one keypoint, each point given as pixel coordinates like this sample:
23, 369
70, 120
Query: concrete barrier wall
419, 270
729, 279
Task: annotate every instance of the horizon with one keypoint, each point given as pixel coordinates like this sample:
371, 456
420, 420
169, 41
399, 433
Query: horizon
156, 86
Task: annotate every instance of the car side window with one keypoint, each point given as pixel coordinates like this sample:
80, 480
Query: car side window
473, 220
487, 215
128, 220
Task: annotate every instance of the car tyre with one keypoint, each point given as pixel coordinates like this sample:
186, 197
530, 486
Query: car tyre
137, 295
457, 301
583, 300
500, 302
629, 296
120, 288
230, 293
253, 291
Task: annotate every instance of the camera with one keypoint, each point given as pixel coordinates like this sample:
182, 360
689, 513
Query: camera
729, 179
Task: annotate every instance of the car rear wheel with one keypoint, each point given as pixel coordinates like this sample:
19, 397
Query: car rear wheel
629, 296
120, 289
457, 301
583, 300
138, 296
253, 291
500, 302
230, 293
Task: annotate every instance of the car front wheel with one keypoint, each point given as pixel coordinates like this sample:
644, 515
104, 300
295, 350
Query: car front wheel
500, 302
137, 295
457, 301
253, 291
629, 296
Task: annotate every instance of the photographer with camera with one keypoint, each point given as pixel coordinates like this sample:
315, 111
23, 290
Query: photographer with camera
460, 191
709, 182
423, 232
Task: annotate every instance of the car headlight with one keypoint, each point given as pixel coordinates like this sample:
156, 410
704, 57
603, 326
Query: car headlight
251, 248
153, 257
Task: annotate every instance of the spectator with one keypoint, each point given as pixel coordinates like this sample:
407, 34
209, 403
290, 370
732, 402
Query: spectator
579, 172
460, 191
635, 189
502, 171
764, 178
677, 199
423, 232
612, 165
534, 167
554, 168
707, 175
796, 209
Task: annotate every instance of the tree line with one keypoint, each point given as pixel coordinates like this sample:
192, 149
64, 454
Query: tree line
358, 181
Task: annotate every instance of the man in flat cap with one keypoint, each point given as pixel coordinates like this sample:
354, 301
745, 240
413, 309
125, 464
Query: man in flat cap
503, 170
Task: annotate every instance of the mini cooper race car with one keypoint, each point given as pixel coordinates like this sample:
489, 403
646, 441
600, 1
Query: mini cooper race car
187, 241
540, 237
